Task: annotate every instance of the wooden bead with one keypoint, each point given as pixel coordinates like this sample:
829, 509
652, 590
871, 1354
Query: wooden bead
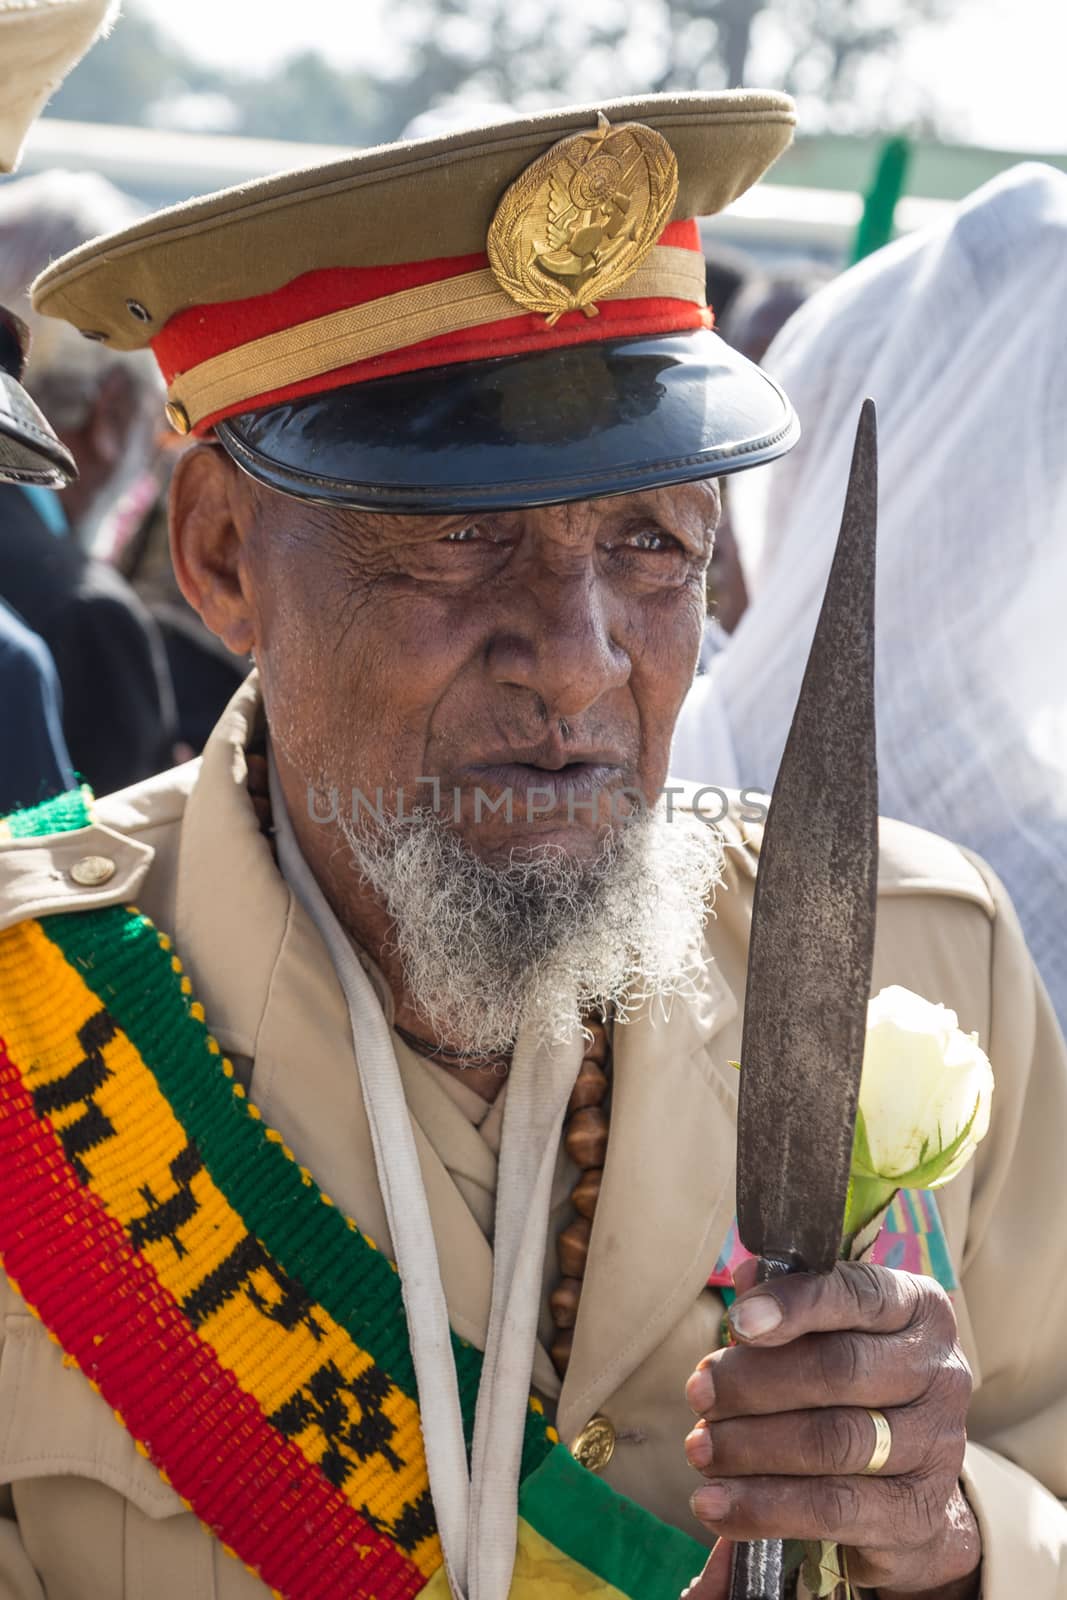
586, 1137
586, 1192
573, 1246
591, 1085
597, 1050
563, 1302
560, 1349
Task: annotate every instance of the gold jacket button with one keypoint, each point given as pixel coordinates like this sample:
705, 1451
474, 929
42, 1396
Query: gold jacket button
91, 871
595, 1445
177, 416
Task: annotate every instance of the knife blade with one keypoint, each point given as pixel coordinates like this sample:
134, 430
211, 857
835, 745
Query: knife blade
811, 946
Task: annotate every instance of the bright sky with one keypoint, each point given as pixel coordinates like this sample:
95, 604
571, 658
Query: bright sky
999, 68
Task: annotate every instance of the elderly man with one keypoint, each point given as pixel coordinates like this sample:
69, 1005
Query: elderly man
414, 967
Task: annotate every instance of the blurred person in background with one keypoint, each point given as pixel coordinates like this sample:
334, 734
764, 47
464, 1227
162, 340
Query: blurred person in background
957, 332
726, 272
118, 710
204, 674
38, 46
40, 41
34, 763
764, 303
758, 307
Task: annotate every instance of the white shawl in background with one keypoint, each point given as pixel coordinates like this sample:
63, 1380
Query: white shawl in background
960, 334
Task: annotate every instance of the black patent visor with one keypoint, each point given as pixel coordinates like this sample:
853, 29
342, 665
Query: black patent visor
14, 344
539, 428
29, 450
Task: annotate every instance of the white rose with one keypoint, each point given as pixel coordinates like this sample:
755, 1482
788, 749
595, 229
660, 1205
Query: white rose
925, 1093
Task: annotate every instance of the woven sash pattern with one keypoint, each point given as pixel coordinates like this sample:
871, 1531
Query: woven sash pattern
247, 1334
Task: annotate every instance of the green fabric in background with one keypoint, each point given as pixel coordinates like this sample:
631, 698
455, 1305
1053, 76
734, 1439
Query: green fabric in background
880, 204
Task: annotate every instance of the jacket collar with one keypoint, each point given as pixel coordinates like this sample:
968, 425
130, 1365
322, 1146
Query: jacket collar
232, 906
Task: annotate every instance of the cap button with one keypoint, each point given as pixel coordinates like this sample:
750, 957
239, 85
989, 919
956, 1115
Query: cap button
91, 871
595, 1445
177, 416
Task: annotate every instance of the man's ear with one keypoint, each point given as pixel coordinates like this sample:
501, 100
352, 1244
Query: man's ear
209, 524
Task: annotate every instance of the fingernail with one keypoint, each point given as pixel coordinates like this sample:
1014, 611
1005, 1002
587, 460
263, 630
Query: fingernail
698, 1446
751, 1318
711, 1502
700, 1391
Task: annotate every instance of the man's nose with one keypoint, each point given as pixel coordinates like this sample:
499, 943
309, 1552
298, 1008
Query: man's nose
558, 644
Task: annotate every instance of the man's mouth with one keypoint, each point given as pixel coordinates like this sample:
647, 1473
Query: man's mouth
543, 789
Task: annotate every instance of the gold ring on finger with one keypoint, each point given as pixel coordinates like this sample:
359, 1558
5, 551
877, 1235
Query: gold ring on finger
883, 1442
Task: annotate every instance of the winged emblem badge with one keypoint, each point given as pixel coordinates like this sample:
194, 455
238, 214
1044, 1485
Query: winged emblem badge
583, 217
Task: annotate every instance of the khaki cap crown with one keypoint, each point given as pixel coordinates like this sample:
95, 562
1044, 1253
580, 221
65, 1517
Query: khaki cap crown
386, 206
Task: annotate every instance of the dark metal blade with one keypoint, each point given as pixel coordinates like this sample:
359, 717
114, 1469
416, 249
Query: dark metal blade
812, 940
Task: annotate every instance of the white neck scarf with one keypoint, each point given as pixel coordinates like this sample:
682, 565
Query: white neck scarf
477, 1511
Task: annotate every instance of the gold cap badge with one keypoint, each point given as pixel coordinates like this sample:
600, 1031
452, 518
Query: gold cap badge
582, 218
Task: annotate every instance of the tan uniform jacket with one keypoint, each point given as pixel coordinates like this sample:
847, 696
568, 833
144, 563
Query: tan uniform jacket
87, 1518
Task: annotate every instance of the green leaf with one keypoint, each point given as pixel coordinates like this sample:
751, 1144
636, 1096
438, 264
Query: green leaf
862, 1160
863, 1202
927, 1174
866, 1198
855, 1245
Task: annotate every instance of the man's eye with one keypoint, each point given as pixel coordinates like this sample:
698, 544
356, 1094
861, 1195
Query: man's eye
654, 539
462, 535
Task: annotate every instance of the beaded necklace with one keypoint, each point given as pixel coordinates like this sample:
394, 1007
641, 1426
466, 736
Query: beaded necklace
585, 1136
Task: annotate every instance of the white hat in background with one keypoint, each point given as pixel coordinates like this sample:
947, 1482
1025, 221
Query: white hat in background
40, 41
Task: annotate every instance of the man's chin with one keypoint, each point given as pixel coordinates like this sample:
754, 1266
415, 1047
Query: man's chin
499, 924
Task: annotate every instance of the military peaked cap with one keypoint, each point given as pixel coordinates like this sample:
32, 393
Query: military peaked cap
508, 316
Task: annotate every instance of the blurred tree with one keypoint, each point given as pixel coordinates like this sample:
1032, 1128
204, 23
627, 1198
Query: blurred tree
709, 34
139, 75
504, 51
308, 99
128, 73
519, 54
828, 42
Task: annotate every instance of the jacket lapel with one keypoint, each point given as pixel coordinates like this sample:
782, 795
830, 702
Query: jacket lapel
307, 1084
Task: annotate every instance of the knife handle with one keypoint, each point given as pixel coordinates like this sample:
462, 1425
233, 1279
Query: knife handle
758, 1567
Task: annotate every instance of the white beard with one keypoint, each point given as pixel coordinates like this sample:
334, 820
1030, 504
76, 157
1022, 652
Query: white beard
542, 939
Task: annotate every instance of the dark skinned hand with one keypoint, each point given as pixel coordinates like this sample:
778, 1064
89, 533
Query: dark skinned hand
784, 1433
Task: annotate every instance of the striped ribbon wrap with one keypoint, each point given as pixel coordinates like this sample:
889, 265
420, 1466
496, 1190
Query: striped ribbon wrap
911, 1239
247, 1334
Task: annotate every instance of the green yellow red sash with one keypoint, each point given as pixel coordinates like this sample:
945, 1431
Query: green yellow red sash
248, 1335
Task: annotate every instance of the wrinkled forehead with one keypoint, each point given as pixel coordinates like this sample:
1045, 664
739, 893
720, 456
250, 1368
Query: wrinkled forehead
690, 509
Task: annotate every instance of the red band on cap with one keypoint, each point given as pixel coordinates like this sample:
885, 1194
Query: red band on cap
195, 335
